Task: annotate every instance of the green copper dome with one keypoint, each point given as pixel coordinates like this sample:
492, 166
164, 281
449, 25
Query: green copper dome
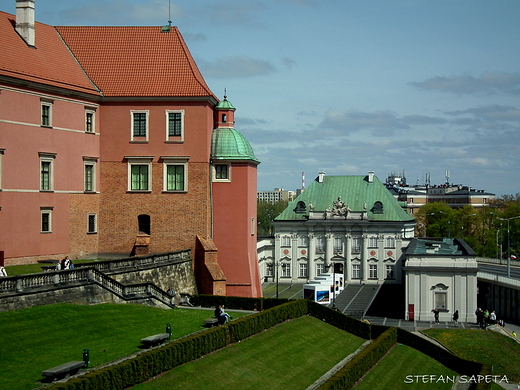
229, 144
225, 105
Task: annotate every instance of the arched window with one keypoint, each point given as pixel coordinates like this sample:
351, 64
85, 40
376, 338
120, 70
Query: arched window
224, 118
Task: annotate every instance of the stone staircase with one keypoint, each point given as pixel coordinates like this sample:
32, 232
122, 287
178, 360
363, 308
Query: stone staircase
355, 299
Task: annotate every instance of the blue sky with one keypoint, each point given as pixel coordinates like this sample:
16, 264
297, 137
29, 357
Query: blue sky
351, 86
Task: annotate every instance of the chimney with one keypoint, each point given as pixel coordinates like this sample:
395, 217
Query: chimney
321, 175
370, 176
25, 20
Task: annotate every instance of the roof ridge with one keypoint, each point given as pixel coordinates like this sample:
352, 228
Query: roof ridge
79, 63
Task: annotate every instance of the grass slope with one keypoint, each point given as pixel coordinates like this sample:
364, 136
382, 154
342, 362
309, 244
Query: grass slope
292, 355
42, 337
502, 352
392, 371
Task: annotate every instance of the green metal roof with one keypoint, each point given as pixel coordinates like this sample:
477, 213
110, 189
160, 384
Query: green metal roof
225, 105
229, 144
438, 247
355, 192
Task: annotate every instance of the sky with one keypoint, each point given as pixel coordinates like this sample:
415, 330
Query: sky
418, 87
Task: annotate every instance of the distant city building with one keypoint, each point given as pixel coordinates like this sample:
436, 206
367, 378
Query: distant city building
454, 195
277, 195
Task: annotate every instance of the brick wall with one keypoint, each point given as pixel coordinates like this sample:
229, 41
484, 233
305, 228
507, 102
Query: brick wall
175, 218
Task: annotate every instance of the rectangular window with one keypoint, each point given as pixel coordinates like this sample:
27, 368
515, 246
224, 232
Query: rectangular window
89, 121
139, 126
303, 240
319, 269
46, 119
92, 223
390, 272
286, 241
269, 269
1, 155
175, 178
46, 220
440, 300
356, 268
89, 177
372, 271
221, 172
286, 270
174, 124
320, 244
338, 244
302, 270
390, 242
356, 245
139, 178
372, 242
47, 171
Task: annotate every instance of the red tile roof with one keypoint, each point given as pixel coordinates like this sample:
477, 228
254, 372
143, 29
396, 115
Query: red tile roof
49, 63
136, 61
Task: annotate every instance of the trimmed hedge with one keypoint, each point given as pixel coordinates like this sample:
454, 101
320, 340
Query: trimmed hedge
238, 303
354, 370
151, 363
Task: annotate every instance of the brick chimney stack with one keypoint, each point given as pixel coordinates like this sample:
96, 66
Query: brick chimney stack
25, 20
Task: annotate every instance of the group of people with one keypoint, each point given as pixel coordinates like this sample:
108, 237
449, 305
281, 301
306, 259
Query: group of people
221, 314
64, 264
455, 316
485, 318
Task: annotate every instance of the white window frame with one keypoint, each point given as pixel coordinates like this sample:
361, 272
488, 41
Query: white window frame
286, 241
356, 271
302, 270
372, 242
390, 242
303, 240
89, 162
338, 244
95, 230
320, 268
174, 161
174, 138
139, 138
320, 244
90, 112
356, 244
218, 180
372, 271
390, 269
46, 211
133, 161
286, 270
47, 158
46, 103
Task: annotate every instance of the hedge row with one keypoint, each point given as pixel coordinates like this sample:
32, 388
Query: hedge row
239, 303
354, 370
151, 363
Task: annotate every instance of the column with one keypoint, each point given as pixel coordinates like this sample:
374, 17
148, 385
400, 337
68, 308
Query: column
311, 252
329, 249
295, 269
364, 258
348, 258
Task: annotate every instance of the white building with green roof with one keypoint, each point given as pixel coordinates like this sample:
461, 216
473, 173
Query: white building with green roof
350, 224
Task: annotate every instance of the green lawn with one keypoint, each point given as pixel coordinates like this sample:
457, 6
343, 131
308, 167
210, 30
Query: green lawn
399, 369
490, 347
292, 355
14, 270
43, 337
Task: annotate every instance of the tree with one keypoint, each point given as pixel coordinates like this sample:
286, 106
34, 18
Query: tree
266, 213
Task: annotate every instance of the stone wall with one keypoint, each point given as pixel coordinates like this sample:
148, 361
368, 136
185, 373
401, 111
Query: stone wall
77, 286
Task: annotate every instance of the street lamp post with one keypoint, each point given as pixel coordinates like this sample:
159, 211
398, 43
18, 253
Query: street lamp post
509, 244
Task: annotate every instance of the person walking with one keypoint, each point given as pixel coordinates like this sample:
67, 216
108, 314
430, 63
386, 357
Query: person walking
456, 318
436, 315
